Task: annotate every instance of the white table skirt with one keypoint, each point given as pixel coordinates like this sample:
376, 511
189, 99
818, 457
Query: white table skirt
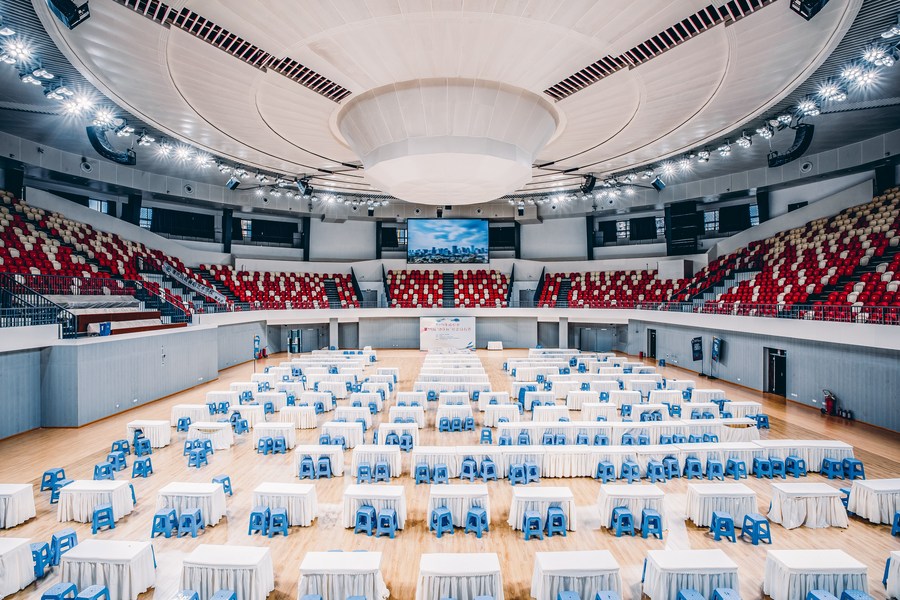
493, 413
337, 388
721, 451
583, 572
434, 455
195, 412
484, 399
734, 498
303, 417
459, 498
452, 412
604, 385
158, 432
591, 410
540, 499
790, 574
244, 386
352, 432
125, 568
893, 582
410, 397
278, 399
453, 399
252, 413
220, 433
575, 399
310, 398
372, 453
877, 500
298, 498
16, 504
399, 428
462, 576
208, 497
666, 396
339, 575
549, 413
378, 496
742, 409
78, 499
707, 395
229, 396
680, 384
16, 565
247, 570
635, 497
561, 388
275, 429
703, 570
408, 412
812, 504
314, 451
638, 409
352, 413
297, 388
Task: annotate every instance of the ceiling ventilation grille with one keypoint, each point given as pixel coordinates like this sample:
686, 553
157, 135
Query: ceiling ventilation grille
697, 23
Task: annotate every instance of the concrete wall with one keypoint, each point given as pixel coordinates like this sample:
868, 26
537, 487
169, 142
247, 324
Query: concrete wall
235, 343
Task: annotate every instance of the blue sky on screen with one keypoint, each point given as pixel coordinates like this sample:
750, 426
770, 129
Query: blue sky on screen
440, 233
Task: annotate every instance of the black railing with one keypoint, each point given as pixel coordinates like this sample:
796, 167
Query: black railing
22, 304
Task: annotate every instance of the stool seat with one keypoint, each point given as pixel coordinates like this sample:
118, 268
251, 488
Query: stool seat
386, 523
93, 592
725, 594
820, 595
532, 525
59, 591
102, 517
689, 594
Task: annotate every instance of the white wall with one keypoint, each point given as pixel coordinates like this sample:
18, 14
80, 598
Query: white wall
814, 191
555, 239
350, 240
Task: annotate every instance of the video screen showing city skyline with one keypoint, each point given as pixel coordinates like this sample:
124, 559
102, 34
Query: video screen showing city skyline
458, 241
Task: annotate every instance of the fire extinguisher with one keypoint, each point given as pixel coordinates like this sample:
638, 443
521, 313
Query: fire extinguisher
830, 404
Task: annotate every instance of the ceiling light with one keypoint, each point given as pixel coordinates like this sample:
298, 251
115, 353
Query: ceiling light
703, 155
145, 140
765, 132
29, 78
223, 168
65, 91
203, 161
630, 177
261, 178
725, 149
684, 164
53, 94
859, 74
894, 31
164, 149
276, 193
629, 191
104, 117
4, 30
808, 107
745, 141
124, 131
289, 194
832, 91
259, 192
240, 172
648, 174
183, 153
785, 119
880, 55
668, 168
17, 50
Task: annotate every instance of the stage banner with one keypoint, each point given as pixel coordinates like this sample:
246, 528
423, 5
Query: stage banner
447, 333
697, 348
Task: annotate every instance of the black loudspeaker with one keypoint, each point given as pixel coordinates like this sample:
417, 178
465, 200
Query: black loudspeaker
371, 212
97, 137
808, 8
70, 15
232, 183
520, 212
302, 186
802, 139
658, 184
588, 186
440, 213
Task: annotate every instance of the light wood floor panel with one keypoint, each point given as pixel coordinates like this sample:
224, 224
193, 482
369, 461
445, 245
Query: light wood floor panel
23, 459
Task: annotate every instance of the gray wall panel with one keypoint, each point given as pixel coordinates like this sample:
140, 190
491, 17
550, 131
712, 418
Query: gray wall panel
235, 343
513, 332
389, 333
20, 391
548, 334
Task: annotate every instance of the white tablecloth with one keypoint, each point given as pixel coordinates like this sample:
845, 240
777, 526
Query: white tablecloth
275, 429
620, 397
644, 386
742, 409
811, 504
721, 451
278, 399
575, 400
78, 499
877, 500
303, 417
453, 398
638, 409
434, 455
221, 434
181, 496
298, 498
550, 413
680, 384
352, 413
459, 498
452, 412
541, 498
707, 395
604, 385
667, 396
16, 504
310, 398
734, 498
16, 565
540, 396
408, 412
352, 432
399, 428
893, 582
229, 396
372, 453
158, 432
484, 399
195, 412
244, 386
635, 497
462, 576
252, 413
494, 412
591, 410
126, 568
410, 397
245, 569
790, 574
583, 572
339, 575
703, 570
314, 451
377, 496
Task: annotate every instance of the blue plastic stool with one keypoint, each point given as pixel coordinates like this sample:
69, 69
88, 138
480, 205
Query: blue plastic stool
627, 439
714, 469
386, 523
278, 522
725, 594
224, 595
622, 521
582, 439
103, 471
477, 521
468, 469
441, 521
165, 522
532, 525
673, 469
307, 468
225, 481
820, 595
630, 471
601, 440
853, 468
259, 520
422, 474
532, 473
364, 473
710, 438
382, 471
323, 467
795, 465
60, 591
444, 424
689, 594
651, 523
722, 526
778, 467
197, 458
762, 421
365, 520
142, 467
606, 471
102, 517
142, 447
506, 440
441, 474
279, 445
486, 437
488, 470
556, 521
190, 521
762, 467
855, 595
40, 554
895, 529
93, 592
266, 445
406, 442
61, 542
187, 595
606, 595
121, 446
184, 424
736, 469
51, 477
524, 439
756, 527
656, 471
832, 468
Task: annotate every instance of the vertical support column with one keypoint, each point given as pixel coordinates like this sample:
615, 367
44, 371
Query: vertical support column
762, 205
305, 223
131, 212
563, 332
333, 332
589, 226
227, 234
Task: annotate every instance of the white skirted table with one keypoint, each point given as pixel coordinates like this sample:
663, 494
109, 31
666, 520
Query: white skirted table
298, 498
303, 417
181, 496
877, 500
575, 399
339, 575
195, 412
540, 499
158, 432
278, 399
790, 574
273, 430
408, 412
721, 451
893, 579
399, 428
668, 571
484, 399
338, 389
16, 565
584, 572
459, 498
352, 413
635, 497
310, 398
620, 397
352, 432
453, 398
410, 397
494, 412
78, 499
461, 412
247, 570
637, 410
16, 504
436, 455
734, 498
127, 569
377, 496
252, 413
220, 433
373, 453
462, 576
223, 396
334, 453
707, 395
680, 384
364, 398
539, 396
812, 504
742, 409
607, 410
666, 397
549, 413
812, 451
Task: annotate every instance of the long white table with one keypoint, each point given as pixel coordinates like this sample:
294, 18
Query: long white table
668, 571
484, 399
408, 412
126, 568
666, 396
377, 496
459, 498
591, 410
812, 504
734, 498
181, 496
339, 575
16, 504
158, 432
451, 412
303, 417
790, 574
16, 565
742, 409
220, 433
384, 429
877, 500
252, 413
539, 499
275, 429
372, 453
278, 399
584, 572
247, 570
462, 576
635, 497
494, 412
575, 399
352, 432
453, 399
195, 412
298, 498
812, 451
352, 413
78, 499
549, 413
721, 451
707, 395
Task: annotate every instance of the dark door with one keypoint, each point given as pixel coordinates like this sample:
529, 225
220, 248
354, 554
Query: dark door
777, 372
651, 343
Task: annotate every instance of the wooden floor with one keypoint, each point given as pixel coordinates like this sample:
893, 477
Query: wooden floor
24, 458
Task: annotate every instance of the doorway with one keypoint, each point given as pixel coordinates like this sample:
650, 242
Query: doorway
776, 371
651, 343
